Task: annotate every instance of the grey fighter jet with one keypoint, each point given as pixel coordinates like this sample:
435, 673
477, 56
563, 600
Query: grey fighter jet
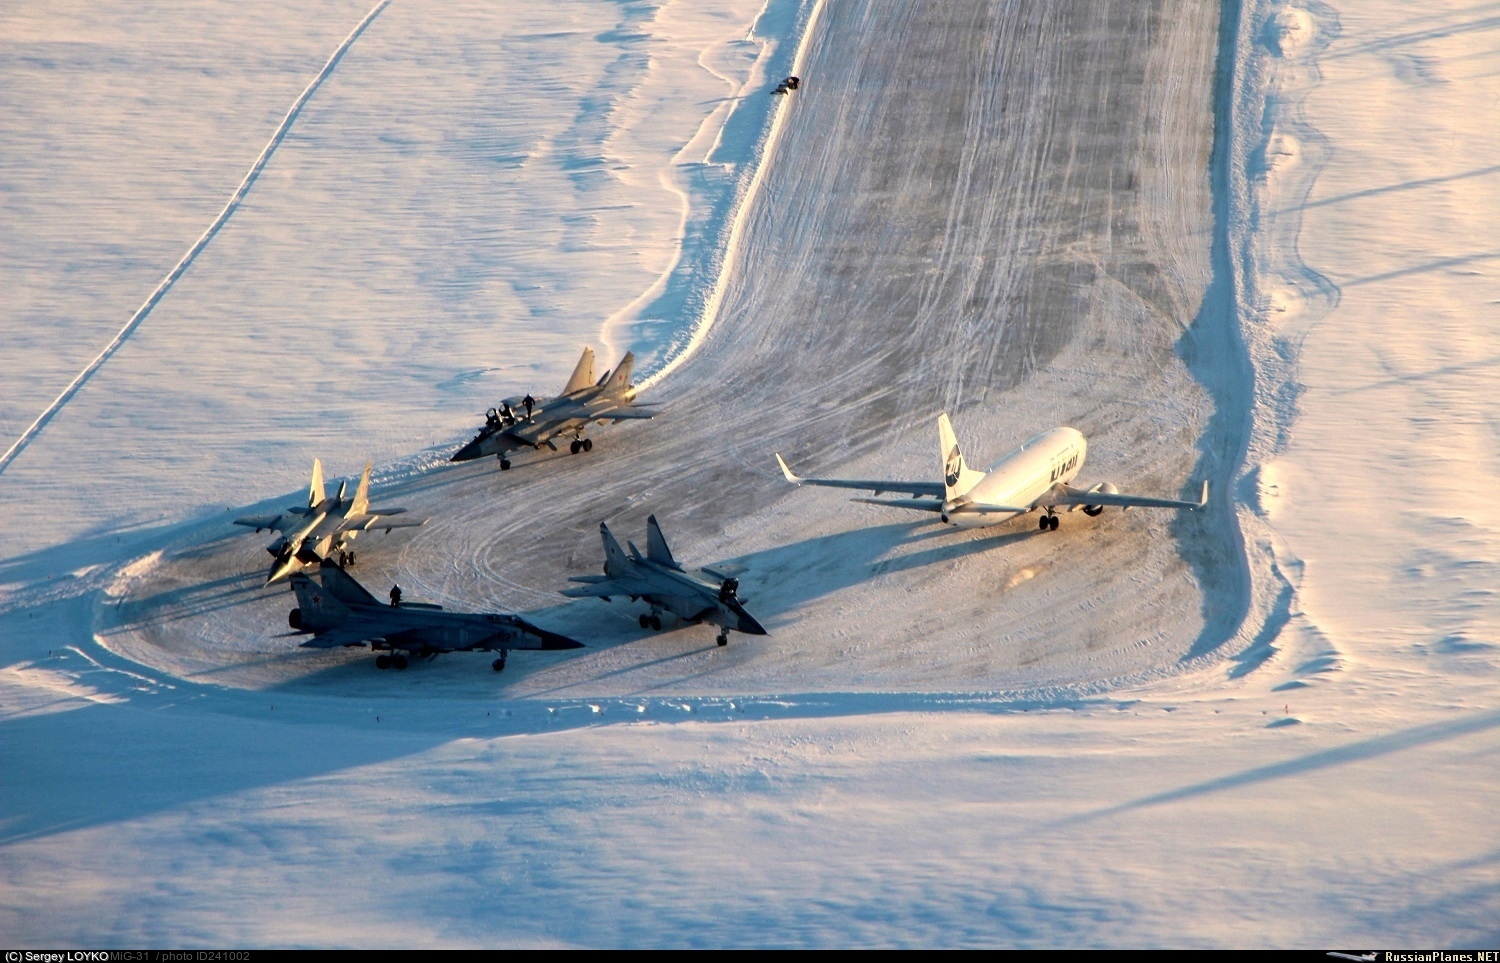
325, 527
339, 612
695, 596
516, 425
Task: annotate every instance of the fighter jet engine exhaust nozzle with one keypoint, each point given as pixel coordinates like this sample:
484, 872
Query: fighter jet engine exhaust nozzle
294, 618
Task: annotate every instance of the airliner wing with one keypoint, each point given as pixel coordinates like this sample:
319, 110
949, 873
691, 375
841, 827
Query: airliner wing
1068, 495
981, 509
920, 504
917, 488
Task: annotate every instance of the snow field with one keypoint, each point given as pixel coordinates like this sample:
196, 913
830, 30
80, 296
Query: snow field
1300, 759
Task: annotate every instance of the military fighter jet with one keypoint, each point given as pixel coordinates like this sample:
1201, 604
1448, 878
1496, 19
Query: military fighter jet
521, 423
325, 527
695, 596
339, 612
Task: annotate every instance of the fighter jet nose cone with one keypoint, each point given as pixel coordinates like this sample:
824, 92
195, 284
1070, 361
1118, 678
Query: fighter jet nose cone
749, 626
468, 452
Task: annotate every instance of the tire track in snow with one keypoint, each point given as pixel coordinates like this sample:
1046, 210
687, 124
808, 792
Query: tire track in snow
141, 313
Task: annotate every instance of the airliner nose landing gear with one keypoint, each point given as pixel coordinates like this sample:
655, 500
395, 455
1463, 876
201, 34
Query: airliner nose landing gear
1049, 521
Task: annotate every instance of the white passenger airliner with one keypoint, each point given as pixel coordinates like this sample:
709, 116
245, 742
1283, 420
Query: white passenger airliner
1035, 475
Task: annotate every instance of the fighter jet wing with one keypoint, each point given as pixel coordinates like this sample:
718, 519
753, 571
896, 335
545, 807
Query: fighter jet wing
384, 518
529, 434
348, 634
273, 523
605, 586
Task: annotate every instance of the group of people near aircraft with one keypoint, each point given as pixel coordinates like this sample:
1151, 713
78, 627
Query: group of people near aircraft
337, 611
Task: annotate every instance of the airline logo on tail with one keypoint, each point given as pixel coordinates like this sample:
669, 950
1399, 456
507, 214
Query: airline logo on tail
953, 467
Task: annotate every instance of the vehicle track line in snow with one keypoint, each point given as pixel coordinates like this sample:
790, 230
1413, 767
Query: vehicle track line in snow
738, 218
182, 265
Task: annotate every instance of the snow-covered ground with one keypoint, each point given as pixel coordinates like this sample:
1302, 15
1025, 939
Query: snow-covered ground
1273, 725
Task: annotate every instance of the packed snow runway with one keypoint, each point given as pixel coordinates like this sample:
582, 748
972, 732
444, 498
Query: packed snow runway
1051, 289
1146, 728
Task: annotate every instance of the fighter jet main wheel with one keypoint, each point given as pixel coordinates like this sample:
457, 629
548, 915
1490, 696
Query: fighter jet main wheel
498, 665
645, 621
399, 661
576, 447
505, 464
656, 622
588, 444
723, 638
382, 662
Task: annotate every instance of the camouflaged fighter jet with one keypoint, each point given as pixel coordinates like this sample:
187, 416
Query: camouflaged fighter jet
325, 527
694, 596
515, 426
339, 612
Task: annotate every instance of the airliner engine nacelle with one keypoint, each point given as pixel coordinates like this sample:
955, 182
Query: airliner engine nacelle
1106, 488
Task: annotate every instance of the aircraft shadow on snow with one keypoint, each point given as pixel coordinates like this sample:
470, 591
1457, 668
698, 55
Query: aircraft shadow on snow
846, 560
